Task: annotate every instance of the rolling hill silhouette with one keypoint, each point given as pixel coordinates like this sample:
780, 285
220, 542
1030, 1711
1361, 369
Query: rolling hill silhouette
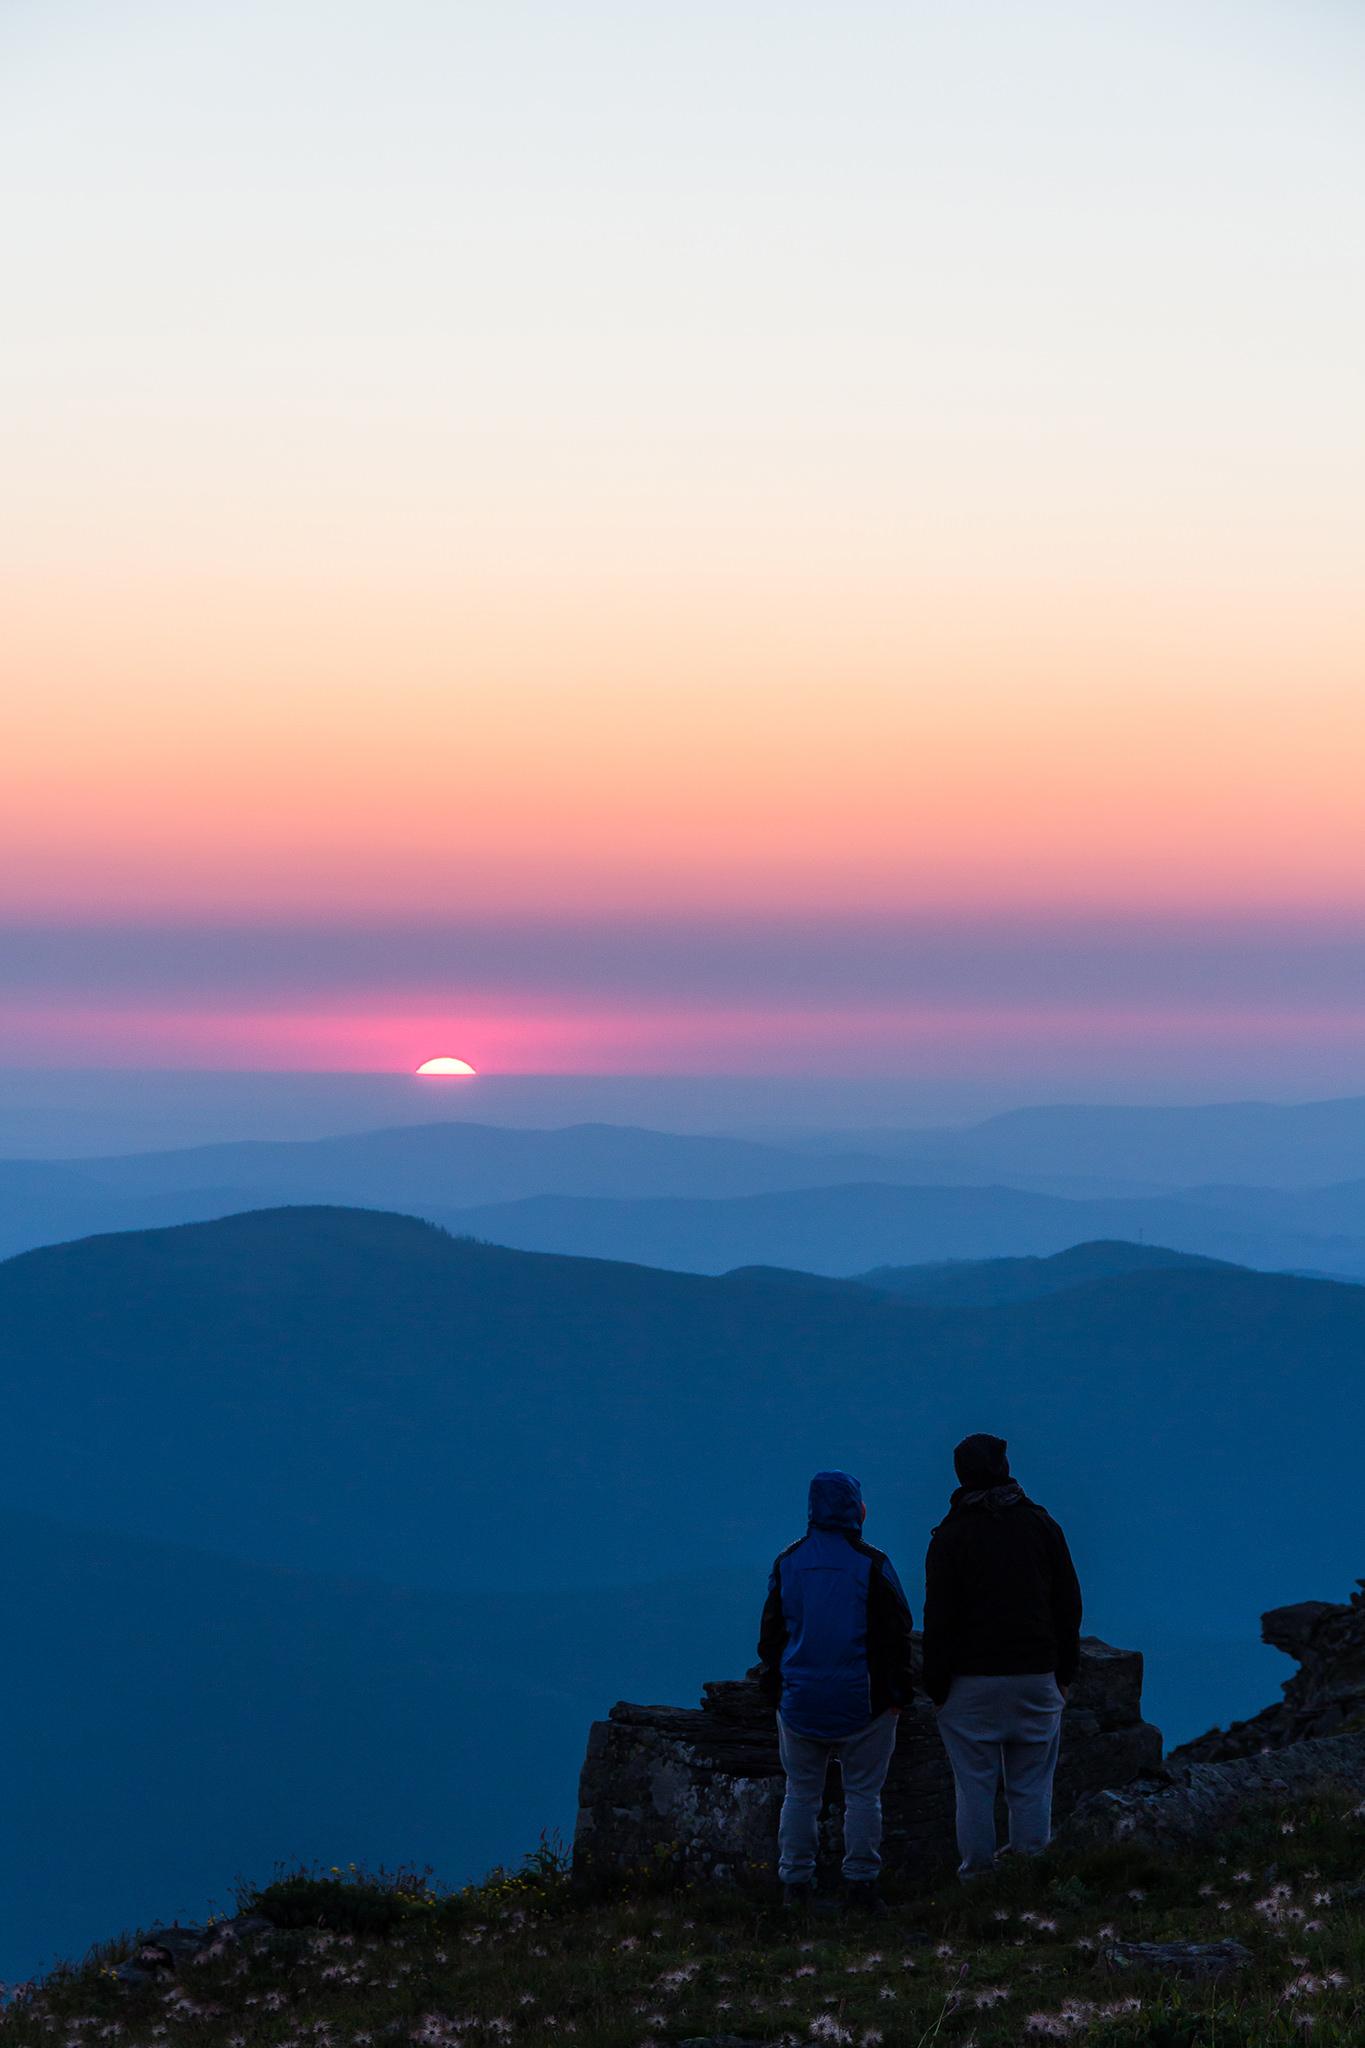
989, 1283
346, 1391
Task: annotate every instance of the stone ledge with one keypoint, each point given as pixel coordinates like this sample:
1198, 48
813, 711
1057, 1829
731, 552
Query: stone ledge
696, 1790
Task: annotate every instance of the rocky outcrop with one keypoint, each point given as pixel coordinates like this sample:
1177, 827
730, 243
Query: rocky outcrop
1194, 1801
1326, 1695
696, 1791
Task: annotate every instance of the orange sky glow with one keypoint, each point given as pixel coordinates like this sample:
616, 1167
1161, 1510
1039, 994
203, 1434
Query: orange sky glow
411, 758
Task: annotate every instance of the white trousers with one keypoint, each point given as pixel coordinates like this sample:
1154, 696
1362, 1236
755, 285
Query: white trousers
998, 1729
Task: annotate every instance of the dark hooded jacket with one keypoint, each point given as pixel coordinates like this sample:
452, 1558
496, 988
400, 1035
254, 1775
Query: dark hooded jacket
835, 1637
1001, 1595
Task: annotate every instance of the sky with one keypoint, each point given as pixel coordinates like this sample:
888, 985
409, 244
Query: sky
744, 538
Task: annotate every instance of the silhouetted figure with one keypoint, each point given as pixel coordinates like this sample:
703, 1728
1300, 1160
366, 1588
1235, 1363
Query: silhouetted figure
1002, 1640
835, 1650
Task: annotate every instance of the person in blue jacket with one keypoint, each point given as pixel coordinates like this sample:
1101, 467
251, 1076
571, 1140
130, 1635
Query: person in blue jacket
835, 1653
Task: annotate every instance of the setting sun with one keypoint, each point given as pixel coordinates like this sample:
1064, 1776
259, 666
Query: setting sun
445, 1065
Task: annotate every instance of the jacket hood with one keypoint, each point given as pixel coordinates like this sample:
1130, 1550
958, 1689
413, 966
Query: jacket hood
836, 1502
981, 1461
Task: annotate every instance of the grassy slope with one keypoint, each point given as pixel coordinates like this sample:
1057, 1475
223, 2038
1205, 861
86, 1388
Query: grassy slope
1010, 1960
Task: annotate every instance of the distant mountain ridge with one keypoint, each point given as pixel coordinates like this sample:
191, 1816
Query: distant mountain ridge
423, 1169
603, 1190
843, 1231
1261, 1144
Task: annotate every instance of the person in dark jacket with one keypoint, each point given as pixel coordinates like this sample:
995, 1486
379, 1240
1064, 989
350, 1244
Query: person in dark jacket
835, 1651
1002, 1640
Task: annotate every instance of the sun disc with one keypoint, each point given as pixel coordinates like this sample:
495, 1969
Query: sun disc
445, 1065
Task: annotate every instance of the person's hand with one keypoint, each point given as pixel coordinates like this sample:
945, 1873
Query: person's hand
1064, 1690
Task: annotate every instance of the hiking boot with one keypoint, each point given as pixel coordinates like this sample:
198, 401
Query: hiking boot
801, 1895
861, 1896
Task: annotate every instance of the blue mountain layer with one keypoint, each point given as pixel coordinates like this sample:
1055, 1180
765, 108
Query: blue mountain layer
368, 1517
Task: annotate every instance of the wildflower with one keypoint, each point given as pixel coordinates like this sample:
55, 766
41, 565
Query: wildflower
806, 1970
886, 1992
1287, 1827
989, 1995
1322, 1898
1137, 1895
943, 1951
628, 1941
1001, 1913
673, 1980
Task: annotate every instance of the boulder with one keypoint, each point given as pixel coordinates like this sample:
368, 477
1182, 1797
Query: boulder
696, 1790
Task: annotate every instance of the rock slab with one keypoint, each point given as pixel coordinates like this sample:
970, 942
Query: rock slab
1198, 1962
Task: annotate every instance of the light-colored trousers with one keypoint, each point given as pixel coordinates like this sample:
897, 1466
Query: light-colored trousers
994, 1729
864, 1759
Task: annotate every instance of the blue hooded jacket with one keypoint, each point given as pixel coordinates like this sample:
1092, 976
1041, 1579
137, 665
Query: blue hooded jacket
835, 1636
